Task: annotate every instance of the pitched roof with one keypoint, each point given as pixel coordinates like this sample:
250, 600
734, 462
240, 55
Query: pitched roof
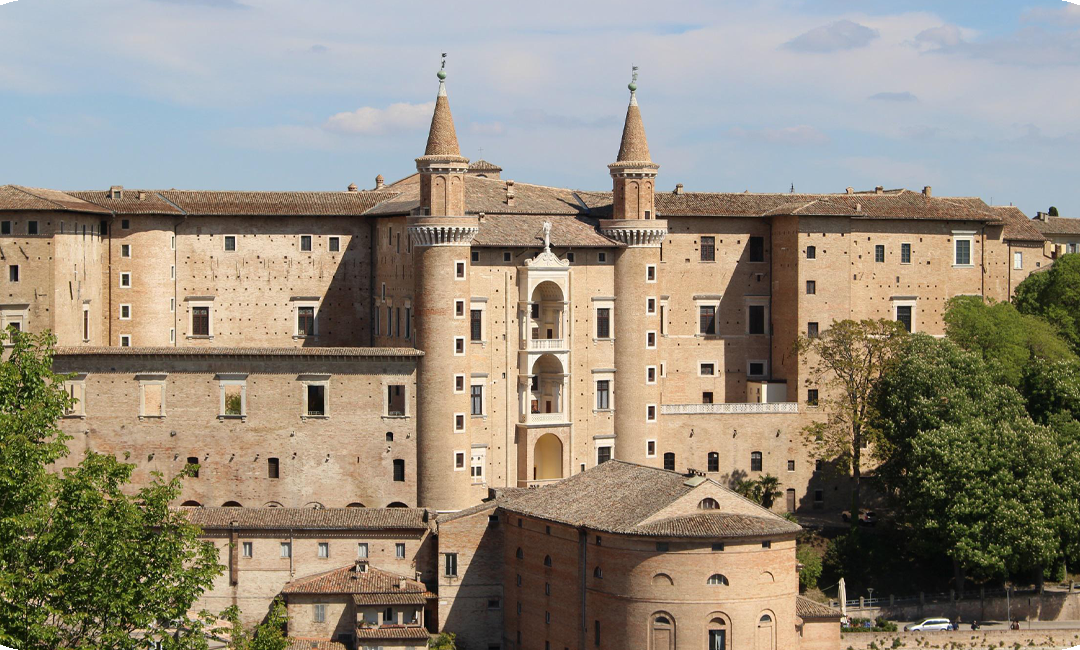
289, 204
392, 632
310, 518
297, 643
130, 202
483, 166
351, 580
442, 138
806, 608
1058, 226
634, 147
618, 497
467, 512
1017, 226
525, 231
390, 599
17, 197
106, 350
489, 195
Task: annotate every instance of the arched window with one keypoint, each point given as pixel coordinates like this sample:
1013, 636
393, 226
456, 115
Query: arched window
272, 504
669, 461
663, 632
191, 504
811, 252
708, 503
355, 504
765, 618
396, 504
714, 461
231, 504
519, 553
662, 579
389, 436
547, 560
314, 505
717, 579
598, 573
755, 461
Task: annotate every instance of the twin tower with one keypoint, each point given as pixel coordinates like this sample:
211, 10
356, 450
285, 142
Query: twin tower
442, 233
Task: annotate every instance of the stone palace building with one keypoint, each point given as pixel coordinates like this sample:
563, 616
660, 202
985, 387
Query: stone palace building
449, 360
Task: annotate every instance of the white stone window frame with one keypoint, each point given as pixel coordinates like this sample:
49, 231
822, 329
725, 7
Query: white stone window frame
125, 340
704, 362
706, 301
86, 321
650, 268
152, 379
655, 375
460, 417
650, 441
608, 304
911, 253
603, 442
300, 243
650, 301
479, 303
125, 275
172, 305
200, 301
124, 247
232, 379
464, 455
478, 459
655, 413
224, 241
464, 266
608, 375
479, 379
958, 236
306, 301
306, 380
462, 312
755, 301
602, 257
14, 315
907, 302
464, 385
124, 306
664, 310
76, 388
387, 382
460, 347
1018, 260
764, 368
649, 346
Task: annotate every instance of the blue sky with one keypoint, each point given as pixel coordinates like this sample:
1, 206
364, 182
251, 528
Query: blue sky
974, 98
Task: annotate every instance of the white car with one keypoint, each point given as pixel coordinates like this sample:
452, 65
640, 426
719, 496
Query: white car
929, 624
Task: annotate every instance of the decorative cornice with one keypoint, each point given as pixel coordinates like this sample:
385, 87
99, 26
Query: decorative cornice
442, 235
636, 237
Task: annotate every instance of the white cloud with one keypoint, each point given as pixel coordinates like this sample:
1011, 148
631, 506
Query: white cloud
841, 35
795, 136
402, 116
487, 128
937, 37
901, 97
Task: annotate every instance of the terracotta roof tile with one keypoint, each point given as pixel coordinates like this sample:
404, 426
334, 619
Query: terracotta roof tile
633, 147
1017, 226
310, 518
391, 599
103, 350
1058, 226
521, 230
289, 204
489, 195
351, 580
718, 525
806, 608
130, 202
392, 632
17, 197
483, 166
442, 138
297, 643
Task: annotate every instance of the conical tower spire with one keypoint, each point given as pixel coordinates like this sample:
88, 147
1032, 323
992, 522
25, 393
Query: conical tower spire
634, 147
442, 138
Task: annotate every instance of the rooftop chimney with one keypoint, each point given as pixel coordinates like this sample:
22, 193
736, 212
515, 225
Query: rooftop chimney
509, 194
1042, 216
401, 583
678, 188
379, 184
880, 189
928, 191
360, 566
851, 190
116, 192
351, 187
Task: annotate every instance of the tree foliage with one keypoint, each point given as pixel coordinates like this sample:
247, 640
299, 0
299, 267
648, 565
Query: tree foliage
809, 566
1053, 211
1054, 294
268, 635
83, 563
764, 489
445, 641
844, 363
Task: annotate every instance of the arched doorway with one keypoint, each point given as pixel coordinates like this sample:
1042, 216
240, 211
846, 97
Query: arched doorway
547, 458
766, 632
719, 635
662, 634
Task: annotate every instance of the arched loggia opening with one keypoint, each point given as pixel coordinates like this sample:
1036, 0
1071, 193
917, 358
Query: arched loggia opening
548, 385
547, 312
547, 458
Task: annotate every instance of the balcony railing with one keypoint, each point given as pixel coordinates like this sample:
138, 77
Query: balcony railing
747, 407
546, 344
544, 418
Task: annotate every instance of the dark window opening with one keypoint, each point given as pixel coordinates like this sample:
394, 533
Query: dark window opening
903, 314
755, 461
476, 400
193, 461
756, 317
335, 244
603, 394
273, 468
200, 321
476, 317
707, 317
811, 287
316, 400
399, 470
812, 330
230, 242
811, 252
305, 243
714, 461
757, 249
305, 321
31, 227
708, 249
13, 273
389, 436
603, 323
812, 397
707, 397
879, 253
603, 455
669, 461
395, 400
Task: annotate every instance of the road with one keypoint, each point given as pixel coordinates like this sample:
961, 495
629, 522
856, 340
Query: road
1004, 625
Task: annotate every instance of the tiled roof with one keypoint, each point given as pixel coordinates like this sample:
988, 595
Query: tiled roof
460, 514
483, 166
806, 608
1017, 226
108, 350
489, 195
634, 147
617, 497
350, 580
526, 230
130, 202
391, 599
1058, 226
296, 643
17, 197
442, 138
310, 518
392, 632
289, 204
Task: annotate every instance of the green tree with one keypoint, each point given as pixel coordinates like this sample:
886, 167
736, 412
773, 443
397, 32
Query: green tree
1054, 294
84, 563
445, 641
809, 566
1052, 390
845, 362
1010, 342
764, 490
1053, 211
268, 635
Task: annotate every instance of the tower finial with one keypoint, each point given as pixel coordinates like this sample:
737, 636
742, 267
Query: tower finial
441, 74
633, 80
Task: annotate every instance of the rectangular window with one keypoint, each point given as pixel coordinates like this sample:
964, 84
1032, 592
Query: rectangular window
903, 314
650, 340
963, 252
305, 321
459, 460
650, 273
125, 312
232, 396
125, 224
125, 340
334, 244
1018, 260
650, 374
450, 565
650, 412
459, 345
319, 612
707, 397
273, 468
125, 250
756, 369
476, 465
408, 322
476, 320
32, 228
603, 455
13, 273
708, 249
459, 270
200, 321
459, 422
603, 394
811, 287
125, 280
5, 227
77, 391
603, 323
86, 324
812, 330
395, 399
324, 549
246, 549
755, 461
476, 399
707, 369
286, 549
362, 550
399, 551
650, 449
707, 320
650, 305
305, 243
791, 466
230, 242
905, 253
757, 249
879, 253
812, 397
316, 399
755, 315
811, 252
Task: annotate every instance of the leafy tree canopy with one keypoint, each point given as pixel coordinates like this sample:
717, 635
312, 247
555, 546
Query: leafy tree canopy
1054, 294
1053, 211
764, 490
268, 635
84, 563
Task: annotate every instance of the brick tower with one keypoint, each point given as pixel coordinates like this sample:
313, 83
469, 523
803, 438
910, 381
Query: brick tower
637, 277
441, 235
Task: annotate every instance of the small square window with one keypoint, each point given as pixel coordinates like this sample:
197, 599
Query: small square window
125, 224
125, 280
125, 250
334, 244
650, 413
324, 549
650, 273
756, 369
305, 243
475, 256
811, 287
459, 270
766, 544
718, 547
508, 256
570, 257
812, 330
31, 227
230, 242
707, 369
601, 258
247, 549
125, 312
125, 340
662, 547
812, 397
5, 227
707, 397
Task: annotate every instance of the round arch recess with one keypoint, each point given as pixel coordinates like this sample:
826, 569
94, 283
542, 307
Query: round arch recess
718, 631
547, 458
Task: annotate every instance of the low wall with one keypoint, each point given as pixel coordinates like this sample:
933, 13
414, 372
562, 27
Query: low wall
980, 640
1048, 606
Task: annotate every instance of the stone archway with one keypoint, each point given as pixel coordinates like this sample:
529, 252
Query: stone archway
547, 458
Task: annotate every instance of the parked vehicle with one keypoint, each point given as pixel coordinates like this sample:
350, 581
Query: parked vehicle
929, 624
866, 517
